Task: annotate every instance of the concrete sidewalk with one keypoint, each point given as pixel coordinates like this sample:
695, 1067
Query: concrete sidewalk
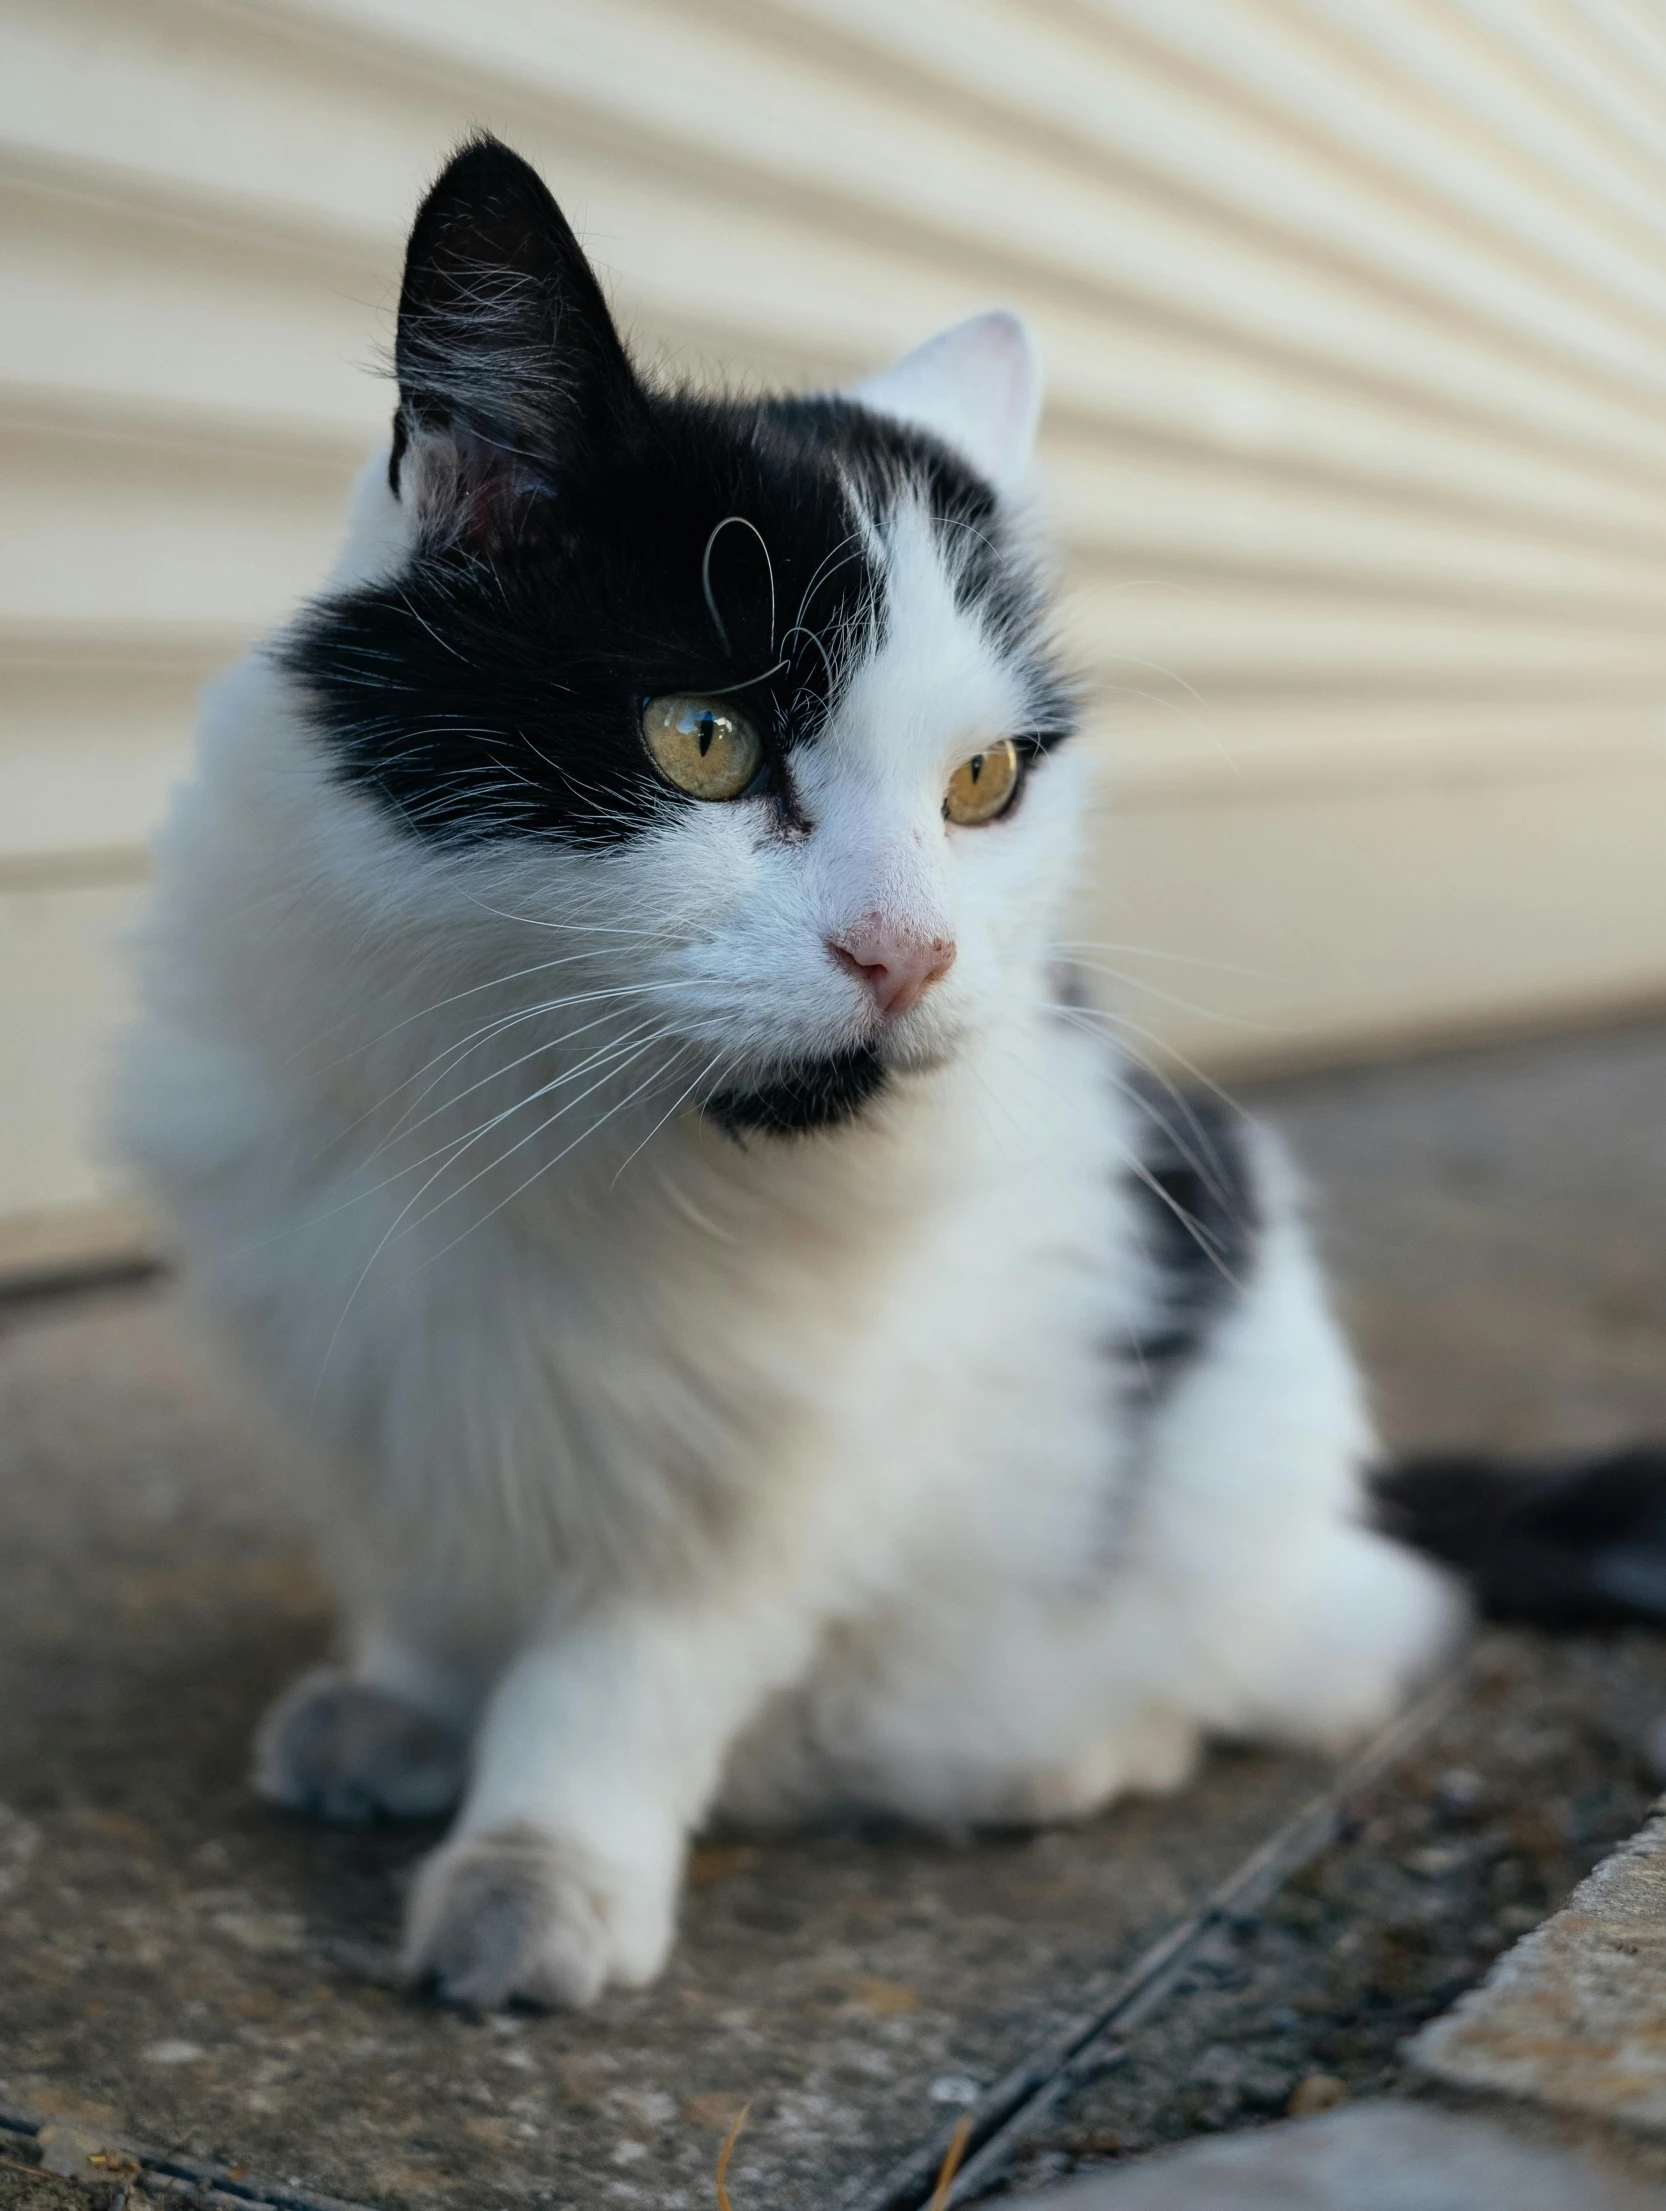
185, 1967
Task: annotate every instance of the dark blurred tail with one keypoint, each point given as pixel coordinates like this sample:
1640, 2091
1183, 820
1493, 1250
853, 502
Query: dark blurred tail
1563, 1544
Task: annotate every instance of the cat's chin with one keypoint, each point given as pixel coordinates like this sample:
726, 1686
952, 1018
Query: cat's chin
820, 1093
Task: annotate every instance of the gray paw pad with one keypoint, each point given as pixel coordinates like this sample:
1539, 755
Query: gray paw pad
505, 1915
347, 1752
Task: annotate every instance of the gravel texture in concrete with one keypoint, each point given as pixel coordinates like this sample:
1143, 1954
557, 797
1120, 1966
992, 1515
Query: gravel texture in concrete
1482, 1827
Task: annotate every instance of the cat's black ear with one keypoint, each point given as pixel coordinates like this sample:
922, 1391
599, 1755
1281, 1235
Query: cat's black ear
509, 364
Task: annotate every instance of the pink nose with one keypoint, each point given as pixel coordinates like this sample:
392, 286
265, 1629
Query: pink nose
897, 967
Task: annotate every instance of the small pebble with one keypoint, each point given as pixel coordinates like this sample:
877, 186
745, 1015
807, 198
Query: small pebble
1318, 2092
74, 2153
1458, 1793
1434, 1860
1517, 1919
1219, 2066
953, 2088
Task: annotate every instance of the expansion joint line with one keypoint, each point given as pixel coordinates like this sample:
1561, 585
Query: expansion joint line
1022, 2101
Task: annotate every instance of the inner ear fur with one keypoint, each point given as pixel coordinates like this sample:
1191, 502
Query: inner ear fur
510, 367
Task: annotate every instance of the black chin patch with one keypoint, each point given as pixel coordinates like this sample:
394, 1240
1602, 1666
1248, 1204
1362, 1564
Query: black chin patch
816, 1094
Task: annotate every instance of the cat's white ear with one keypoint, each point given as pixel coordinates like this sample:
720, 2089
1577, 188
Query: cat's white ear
977, 386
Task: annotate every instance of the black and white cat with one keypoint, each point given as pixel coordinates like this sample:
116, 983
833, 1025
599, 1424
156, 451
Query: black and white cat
749, 1346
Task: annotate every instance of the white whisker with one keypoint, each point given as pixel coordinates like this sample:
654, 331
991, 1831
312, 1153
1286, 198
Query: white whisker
401, 1225
544, 1169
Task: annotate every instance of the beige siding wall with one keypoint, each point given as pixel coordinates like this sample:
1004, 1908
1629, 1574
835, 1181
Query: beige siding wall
1356, 318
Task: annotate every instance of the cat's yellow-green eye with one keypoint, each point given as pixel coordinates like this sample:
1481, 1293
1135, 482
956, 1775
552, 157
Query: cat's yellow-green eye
984, 786
702, 745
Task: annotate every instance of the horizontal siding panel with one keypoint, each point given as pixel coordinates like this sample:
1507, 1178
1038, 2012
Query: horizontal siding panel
104, 299
1217, 633
1033, 222
1223, 751
1291, 168
903, 146
130, 535
87, 767
876, 167
62, 997
1574, 66
1415, 90
764, 302
220, 329
1140, 508
1629, 37
1441, 910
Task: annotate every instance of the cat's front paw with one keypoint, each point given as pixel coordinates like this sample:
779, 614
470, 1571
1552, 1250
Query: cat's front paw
522, 1913
345, 1751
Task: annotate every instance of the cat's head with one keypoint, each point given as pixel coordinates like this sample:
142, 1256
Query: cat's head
749, 698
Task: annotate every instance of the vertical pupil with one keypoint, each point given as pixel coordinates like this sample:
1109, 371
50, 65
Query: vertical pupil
976, 765
708, 730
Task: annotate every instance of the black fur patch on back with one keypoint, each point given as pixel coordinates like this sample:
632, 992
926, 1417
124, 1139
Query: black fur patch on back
1194, 1195
1569, 1543
820, 1094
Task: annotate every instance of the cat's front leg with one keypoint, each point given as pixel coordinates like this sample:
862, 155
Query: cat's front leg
600, 1750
